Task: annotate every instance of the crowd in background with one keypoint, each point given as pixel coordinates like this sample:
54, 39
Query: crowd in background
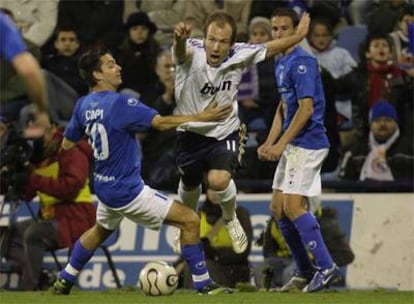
363, 48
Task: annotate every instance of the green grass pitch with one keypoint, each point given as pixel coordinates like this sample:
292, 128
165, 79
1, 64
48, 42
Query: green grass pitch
187, 297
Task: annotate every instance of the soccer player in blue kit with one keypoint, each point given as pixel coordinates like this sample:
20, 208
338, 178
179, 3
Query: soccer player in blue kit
298, 140
110, 121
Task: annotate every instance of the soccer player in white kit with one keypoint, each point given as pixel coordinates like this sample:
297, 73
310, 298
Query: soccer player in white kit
212, 69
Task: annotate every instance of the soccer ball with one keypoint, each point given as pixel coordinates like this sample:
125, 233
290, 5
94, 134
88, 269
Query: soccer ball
158, 279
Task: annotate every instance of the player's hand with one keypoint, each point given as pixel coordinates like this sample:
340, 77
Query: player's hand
181, 31
275, 151
214, 112
262, 151
303, 26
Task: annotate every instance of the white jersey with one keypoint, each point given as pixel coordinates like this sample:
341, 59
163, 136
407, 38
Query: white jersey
197, 84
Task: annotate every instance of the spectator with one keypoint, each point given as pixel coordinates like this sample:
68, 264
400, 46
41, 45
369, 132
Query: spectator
225, 266
386, 155
138, 54
14, 52
379, 77
64, 62
400, 41
60, 180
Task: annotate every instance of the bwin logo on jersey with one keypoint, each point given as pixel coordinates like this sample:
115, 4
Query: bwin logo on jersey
209, 89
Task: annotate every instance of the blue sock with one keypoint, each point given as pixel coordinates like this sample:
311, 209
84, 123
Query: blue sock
298, 249
196, 262
311, 235
80, 256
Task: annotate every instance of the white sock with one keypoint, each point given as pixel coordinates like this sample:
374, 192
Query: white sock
228, 209
189, 198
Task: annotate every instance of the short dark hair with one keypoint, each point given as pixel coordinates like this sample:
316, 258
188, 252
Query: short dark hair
221, 18
90, 61
286, 12
66, 29
321, 21
373, 37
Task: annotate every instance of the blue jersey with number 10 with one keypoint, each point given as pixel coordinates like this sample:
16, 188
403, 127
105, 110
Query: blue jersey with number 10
110, 120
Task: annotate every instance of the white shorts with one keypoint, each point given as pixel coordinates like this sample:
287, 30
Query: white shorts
149, 208
298, 171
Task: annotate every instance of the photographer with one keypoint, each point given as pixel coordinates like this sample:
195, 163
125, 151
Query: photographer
60, 179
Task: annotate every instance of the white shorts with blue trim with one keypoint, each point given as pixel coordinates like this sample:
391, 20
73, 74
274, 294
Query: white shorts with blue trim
149, 209
298, 171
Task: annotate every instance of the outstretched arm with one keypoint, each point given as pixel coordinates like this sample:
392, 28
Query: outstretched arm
212, 113
274, 47
181, 33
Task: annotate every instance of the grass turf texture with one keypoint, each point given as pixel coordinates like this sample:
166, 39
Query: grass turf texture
184, 297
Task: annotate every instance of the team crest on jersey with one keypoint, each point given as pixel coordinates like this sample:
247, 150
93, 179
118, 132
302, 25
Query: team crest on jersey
132, 102
302, 69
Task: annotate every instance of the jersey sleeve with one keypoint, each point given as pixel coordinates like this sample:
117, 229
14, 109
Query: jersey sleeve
74, 130
304, 73
11, 41
249, 54
131, 114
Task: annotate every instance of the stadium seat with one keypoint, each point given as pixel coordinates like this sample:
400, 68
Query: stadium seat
351, 37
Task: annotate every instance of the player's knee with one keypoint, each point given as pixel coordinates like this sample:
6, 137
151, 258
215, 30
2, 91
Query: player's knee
228, 193
291, 211
219, 180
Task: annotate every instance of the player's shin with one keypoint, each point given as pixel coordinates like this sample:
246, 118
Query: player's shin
227, 199
194, 256
80, 256
189, 197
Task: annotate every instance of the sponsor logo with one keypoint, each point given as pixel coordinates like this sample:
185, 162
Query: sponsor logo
209, 89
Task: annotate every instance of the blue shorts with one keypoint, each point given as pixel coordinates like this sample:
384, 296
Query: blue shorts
198, 154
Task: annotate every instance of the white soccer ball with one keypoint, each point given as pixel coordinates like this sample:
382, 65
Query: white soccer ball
158, 279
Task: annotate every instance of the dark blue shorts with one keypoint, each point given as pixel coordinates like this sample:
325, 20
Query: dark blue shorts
197, 154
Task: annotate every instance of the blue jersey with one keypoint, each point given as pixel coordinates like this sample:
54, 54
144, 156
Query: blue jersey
111, 120
11, 42
297, 77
